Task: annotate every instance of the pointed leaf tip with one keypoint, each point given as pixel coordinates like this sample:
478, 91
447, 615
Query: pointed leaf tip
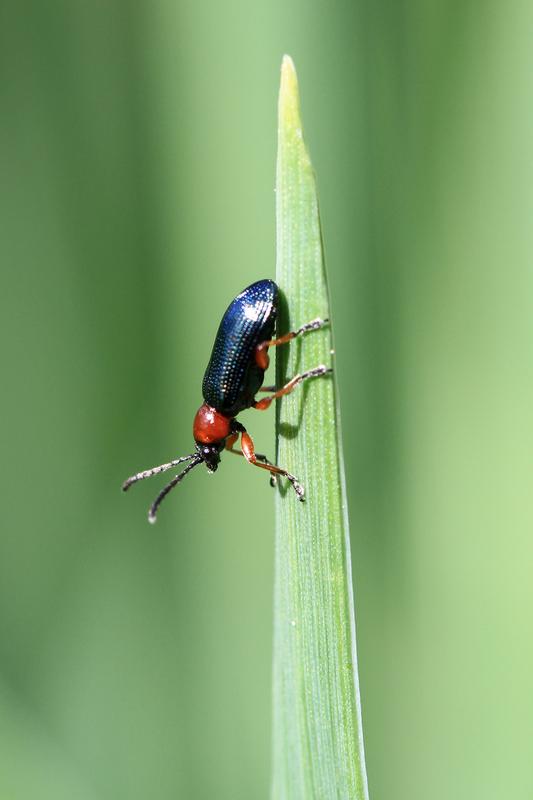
289, 100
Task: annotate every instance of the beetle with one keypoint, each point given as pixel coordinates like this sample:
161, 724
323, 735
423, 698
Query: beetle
232, 379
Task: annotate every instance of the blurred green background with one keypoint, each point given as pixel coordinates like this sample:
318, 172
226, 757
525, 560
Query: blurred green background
137, 157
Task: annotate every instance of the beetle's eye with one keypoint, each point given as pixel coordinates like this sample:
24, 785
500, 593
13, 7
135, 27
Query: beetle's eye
206, 451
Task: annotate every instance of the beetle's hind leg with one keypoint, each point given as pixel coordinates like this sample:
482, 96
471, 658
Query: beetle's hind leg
261, 354
248, 451
314, 325
262, 405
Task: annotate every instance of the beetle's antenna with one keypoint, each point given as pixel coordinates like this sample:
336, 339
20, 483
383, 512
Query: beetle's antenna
147, 473
174, 482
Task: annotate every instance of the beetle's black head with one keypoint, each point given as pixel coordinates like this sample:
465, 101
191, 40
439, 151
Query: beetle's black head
210, 455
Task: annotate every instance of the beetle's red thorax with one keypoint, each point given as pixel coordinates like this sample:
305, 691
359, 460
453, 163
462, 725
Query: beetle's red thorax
210, 425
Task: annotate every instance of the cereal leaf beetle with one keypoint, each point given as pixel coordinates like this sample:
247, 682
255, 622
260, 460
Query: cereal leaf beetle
232, 379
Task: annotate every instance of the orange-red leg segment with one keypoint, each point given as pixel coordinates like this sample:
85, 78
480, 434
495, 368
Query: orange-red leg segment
252, 457
230, 441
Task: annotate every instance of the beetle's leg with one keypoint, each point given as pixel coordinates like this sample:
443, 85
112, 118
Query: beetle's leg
147, 473
230, 441
261, 355
262, 405
252, 457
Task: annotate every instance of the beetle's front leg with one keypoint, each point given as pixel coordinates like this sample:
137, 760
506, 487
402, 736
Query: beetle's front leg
230, 442
248, 451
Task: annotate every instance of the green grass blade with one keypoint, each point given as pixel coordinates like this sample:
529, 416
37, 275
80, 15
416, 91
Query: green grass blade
317, 735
